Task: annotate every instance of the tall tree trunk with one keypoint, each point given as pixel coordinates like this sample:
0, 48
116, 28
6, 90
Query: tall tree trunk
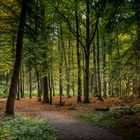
38, 84
78, 54
67, 73
50, 87
94, 71
73, 72
60, 46
137, 44
52, 84
30, 83
22, 75
110, 92
98, 66
68, 69
44, 56
45, 88
87, 55
13, 86
21, 82
104, 69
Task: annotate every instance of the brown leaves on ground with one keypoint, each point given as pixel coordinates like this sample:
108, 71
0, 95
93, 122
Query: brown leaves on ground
70, 105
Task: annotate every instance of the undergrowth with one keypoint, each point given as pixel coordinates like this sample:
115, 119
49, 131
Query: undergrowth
122, 123
24, 128
101, 118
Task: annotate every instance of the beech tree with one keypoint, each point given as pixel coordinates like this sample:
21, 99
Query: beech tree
19, 45
73, 48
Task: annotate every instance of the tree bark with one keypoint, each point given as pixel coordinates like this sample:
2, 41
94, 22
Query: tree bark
15, 74
78, 54
98, 66
73, 72
30, 83
87, 55
50, 86
45, 88
137, 44
104, 70
94, 71
60, 46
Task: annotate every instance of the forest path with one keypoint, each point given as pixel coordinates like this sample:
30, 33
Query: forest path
68, 127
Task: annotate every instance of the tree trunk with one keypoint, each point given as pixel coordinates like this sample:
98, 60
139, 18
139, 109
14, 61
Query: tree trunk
87, 55
98, 66
13, 86
68, 70
22, 75
52, 84
104, 70
50, 87
21, 82
67, 73
38, 84
45, 88
94, 71
137, 44
78, 54
30, 83
60, 46
73, 72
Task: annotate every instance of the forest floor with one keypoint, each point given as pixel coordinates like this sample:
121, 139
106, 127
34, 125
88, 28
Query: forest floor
65, 118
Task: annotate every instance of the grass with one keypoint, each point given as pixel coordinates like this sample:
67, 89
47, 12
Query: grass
24, 128
123, 124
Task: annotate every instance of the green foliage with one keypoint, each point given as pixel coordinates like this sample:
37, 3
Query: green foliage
27, 94
108, 119
19, 128
121, 120
3, 91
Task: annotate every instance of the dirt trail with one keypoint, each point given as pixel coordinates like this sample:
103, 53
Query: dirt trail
68, 127
74, 129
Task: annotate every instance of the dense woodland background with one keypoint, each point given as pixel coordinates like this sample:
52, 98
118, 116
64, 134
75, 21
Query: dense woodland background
69, 48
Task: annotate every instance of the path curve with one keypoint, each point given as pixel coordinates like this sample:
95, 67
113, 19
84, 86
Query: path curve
70, 128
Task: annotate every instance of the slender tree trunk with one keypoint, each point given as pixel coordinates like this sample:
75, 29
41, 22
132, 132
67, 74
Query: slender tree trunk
68, 70
73, 74
45, 86
60, 46
22, 72
94, 71
137, 45
110, 92
60, 83
30, 83
98, 66
21, 83
13, 86
38, 84
87, 55
41, 89
67, 73
104, 70
119, 68
50, 87
52, 84
78, 54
